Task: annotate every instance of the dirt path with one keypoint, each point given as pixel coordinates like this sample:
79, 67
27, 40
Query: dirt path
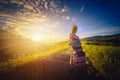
54, 67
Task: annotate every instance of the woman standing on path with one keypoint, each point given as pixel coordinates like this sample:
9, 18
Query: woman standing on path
79, 60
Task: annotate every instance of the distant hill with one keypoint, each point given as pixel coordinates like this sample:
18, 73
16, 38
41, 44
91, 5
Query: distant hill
108, 39
115, 36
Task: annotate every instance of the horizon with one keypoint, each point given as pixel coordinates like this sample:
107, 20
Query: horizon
54, 41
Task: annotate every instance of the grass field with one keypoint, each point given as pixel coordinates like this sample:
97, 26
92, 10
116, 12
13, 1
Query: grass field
22, 56
106, 59
15, 52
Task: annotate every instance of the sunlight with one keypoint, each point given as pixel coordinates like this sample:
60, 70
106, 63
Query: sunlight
36, 37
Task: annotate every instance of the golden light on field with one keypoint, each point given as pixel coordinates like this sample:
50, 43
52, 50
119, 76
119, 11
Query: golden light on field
36, 37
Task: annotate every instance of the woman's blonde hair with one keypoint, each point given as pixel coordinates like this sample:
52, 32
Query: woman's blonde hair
74, 28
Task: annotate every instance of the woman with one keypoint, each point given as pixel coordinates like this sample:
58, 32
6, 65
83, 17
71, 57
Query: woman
79, 59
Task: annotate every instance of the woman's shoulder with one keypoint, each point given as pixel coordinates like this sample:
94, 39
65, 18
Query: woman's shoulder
74, 36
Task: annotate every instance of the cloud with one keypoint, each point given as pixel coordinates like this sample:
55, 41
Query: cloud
74, 20
81, 9
24, 13
66, 17
26, 16
63, 10
1, 24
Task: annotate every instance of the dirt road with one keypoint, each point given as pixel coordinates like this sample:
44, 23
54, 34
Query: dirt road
53, 67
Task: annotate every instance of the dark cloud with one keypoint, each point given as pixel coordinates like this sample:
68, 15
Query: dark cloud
17, 13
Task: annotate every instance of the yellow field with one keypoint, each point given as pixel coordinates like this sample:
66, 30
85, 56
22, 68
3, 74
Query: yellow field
19, 60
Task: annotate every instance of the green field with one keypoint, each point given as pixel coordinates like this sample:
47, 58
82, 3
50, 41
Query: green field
106, 59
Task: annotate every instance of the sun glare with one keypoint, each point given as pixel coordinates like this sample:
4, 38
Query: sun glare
36, 37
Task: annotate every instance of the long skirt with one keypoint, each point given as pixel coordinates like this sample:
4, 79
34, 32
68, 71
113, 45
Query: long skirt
78, 62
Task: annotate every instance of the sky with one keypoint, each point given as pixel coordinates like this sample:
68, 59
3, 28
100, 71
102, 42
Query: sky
53, 19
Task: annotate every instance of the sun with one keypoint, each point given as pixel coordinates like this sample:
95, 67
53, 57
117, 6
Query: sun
36, 37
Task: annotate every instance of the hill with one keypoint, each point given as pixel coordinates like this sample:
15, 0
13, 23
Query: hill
103, 37
104, 40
